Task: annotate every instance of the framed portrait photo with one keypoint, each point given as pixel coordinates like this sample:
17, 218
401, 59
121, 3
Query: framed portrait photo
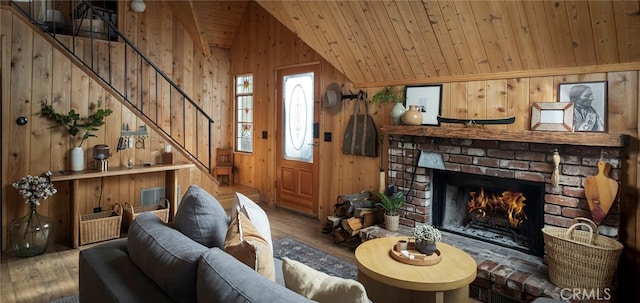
428, 98
589, 104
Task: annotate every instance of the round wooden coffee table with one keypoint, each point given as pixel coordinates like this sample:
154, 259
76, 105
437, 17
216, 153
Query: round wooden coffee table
388, 280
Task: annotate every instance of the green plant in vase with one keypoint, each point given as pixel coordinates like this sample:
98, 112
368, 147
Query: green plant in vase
389, 94
391, 205
76, 126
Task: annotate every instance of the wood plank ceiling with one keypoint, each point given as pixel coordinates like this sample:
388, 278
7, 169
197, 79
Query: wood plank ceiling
377, 43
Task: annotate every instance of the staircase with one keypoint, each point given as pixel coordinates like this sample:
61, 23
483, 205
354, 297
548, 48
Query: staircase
129, 76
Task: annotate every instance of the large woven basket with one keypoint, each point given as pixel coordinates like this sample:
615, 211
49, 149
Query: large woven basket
581, 258
131, 212
101, 226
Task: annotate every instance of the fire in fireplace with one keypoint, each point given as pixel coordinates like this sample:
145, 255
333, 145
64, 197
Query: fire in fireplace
506, 212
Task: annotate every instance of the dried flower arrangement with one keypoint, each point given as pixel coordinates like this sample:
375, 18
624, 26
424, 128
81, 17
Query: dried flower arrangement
426, 232
35, 188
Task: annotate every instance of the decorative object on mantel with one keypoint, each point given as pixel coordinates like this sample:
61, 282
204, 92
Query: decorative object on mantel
590, 104
74, 125
389, 95
426, 237
600, 191
428, 98
391, 204
477, 122
553, 116
31, 234
555, 176
413, 116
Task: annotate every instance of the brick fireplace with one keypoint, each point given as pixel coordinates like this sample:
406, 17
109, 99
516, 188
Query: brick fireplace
506, 159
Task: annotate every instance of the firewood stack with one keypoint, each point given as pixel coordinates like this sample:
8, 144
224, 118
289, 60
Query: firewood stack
352, 212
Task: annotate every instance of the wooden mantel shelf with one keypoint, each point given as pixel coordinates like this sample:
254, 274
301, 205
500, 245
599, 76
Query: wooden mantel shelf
548, 137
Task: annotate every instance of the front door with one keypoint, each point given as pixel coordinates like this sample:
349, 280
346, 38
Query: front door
297, 138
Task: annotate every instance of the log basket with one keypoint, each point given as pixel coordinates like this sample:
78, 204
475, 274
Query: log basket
581, 258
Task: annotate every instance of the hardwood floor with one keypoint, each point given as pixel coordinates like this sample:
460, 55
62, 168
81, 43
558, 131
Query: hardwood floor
55, 274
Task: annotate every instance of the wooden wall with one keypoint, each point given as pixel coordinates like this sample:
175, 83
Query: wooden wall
264, 45
33, 72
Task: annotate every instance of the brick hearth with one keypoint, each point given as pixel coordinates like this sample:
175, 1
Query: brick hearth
501, 270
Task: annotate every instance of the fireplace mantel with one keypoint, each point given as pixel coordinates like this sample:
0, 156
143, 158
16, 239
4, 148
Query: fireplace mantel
548, 137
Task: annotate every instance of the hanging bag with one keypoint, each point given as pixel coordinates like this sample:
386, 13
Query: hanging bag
360, 136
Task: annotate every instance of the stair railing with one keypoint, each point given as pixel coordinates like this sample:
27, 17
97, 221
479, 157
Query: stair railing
124, 70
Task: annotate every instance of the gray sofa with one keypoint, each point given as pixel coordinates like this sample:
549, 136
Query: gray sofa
177, 262
108, 273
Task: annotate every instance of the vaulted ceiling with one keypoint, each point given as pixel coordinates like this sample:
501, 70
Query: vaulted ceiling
376, 43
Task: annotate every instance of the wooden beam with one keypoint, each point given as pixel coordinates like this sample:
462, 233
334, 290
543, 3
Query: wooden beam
548, 137
186, 14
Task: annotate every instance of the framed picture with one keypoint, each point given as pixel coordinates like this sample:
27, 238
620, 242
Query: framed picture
555, 116
589, 104
428, 98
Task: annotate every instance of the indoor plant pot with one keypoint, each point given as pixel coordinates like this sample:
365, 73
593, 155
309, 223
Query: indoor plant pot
426, 237
391, 204
388, 95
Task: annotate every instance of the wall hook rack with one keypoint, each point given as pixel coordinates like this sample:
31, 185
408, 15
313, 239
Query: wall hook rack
360, 95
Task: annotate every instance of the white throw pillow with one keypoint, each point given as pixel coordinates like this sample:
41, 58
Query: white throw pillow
255, 213
320, 287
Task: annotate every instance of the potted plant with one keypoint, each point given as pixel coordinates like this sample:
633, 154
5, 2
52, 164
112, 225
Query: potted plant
426, 237
389, 94
391, 204
75, 126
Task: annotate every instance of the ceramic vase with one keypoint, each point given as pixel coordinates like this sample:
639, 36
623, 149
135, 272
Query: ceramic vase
77, 159
391, 222
396, 113
425, 247
31, 234
413, 116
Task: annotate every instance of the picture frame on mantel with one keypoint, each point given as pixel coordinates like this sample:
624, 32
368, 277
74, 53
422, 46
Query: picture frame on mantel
552, 116
429, 100
590, 104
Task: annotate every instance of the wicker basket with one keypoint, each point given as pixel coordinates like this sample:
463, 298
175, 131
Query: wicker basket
101, 226
130, 212
580, 258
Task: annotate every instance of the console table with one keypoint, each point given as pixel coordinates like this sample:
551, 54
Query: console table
171, 186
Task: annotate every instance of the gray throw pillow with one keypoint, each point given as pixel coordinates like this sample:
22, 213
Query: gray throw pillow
202, 218
222, 278
165, 255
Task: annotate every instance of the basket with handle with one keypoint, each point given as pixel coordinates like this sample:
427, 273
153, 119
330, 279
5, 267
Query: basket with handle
160, 210
101, 226
581, 258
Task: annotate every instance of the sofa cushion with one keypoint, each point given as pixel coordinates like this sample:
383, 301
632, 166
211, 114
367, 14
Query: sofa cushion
107, 274
255, 213
165, 255
222, 278
247, 245
201, 217
320, 287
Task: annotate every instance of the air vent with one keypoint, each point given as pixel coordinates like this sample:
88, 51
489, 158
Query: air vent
151, 196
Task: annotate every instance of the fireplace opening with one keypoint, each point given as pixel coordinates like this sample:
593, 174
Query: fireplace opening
506, 212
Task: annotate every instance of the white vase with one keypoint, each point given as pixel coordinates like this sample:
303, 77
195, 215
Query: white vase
77, 159
396, 113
